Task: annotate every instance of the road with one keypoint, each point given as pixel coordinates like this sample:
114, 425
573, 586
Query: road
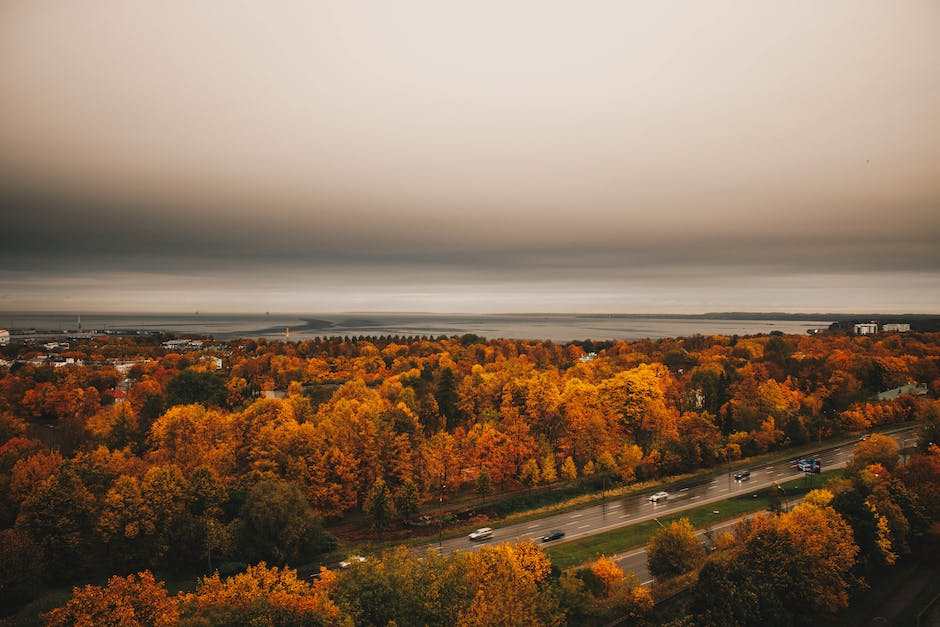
635, 508
635, 560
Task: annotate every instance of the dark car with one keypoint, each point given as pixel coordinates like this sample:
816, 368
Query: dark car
557, 534
741, 476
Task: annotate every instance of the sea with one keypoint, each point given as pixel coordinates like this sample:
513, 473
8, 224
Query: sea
554, 327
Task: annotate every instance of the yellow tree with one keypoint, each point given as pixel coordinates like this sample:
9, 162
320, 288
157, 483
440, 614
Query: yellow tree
638, 397
511, 587
132, 601
190, 436
264, 596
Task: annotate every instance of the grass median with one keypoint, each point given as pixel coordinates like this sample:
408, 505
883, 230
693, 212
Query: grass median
579, 551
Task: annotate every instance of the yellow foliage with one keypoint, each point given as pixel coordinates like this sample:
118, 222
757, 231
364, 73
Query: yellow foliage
132, 601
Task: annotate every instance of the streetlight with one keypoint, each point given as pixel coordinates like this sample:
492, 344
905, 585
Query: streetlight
709, 533
786, 500
440, 527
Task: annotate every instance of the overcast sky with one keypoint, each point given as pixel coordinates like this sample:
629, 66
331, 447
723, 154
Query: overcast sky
528, 156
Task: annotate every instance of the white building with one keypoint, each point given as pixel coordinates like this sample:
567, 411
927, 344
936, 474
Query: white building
4, 337
900, 327
866, 328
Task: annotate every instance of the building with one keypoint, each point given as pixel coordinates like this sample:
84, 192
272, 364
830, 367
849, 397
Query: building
4, 337
866, 328
900, 327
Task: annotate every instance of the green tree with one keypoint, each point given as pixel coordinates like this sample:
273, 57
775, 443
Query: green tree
401, 588
196, 386
21, 566
446, 396
278, 525
484, 484
378, 506
877, 449
60, 517
406, 500
674, 550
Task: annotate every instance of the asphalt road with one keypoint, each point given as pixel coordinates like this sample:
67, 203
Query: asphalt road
628, 510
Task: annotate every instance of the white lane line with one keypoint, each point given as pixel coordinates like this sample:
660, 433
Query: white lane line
646, 582
684, 490
584, 526
576, 515
697, 496
531, 527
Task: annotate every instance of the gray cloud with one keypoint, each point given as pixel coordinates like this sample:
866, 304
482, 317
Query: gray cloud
531, 155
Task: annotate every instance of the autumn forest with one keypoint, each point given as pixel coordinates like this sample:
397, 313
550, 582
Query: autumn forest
127, 462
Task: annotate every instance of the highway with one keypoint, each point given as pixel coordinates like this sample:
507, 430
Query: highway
627, 510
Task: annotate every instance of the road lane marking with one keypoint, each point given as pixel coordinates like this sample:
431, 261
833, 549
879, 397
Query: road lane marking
584, 526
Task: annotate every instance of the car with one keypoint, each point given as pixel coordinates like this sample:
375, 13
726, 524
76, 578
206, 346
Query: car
556, 534
352, 561
741, 476
864, 437
483, 533
809, 465
659, 496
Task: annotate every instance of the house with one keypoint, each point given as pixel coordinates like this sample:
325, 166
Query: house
125, 366
899, 327
4, 337
215, 361
866, 328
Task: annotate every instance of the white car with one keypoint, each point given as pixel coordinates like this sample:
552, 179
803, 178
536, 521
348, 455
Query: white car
483, 533
659, 496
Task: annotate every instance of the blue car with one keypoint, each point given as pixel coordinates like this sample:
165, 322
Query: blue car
809, 465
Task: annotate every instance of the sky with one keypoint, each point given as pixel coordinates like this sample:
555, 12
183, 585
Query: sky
472, 157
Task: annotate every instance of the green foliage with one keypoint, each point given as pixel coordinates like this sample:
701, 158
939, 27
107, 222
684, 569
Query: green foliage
406, 501
60, 516
195, 386
278, 525
674, 550
378, 506
484, 484
21, 567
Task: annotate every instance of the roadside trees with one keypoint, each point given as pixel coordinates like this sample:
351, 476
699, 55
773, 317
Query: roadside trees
674, 550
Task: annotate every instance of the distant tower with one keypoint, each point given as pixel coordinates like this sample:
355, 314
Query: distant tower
286, 333
79, 322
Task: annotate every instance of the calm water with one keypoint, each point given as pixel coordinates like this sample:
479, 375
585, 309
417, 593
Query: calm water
555, 327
